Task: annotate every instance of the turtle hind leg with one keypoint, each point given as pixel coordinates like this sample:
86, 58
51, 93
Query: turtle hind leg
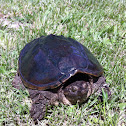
17, 83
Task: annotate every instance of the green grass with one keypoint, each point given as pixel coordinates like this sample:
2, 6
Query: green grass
99, 25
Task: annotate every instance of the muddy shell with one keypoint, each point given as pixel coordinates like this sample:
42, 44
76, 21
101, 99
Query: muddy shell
47, 62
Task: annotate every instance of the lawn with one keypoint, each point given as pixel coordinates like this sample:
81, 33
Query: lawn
99, 25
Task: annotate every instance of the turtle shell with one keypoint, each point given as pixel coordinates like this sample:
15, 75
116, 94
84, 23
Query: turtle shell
47, 62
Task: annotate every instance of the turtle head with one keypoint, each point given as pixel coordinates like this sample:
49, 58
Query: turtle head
76, 92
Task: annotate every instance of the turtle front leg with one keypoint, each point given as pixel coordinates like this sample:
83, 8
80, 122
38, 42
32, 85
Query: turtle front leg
101, 85
106, 89
41, 100
39, 104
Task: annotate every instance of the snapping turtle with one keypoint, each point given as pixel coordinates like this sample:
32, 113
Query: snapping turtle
57, 69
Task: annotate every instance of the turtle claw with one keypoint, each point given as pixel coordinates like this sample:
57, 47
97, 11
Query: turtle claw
103, 89
37, 112
106, 90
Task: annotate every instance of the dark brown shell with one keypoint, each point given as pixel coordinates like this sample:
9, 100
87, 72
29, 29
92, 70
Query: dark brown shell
47, 62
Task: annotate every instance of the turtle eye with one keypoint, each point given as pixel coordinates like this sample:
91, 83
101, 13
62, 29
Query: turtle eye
74, 88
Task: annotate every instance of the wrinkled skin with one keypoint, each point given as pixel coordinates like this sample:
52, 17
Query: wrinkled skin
76, 92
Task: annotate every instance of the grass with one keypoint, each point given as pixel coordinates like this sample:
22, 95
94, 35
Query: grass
99, 25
